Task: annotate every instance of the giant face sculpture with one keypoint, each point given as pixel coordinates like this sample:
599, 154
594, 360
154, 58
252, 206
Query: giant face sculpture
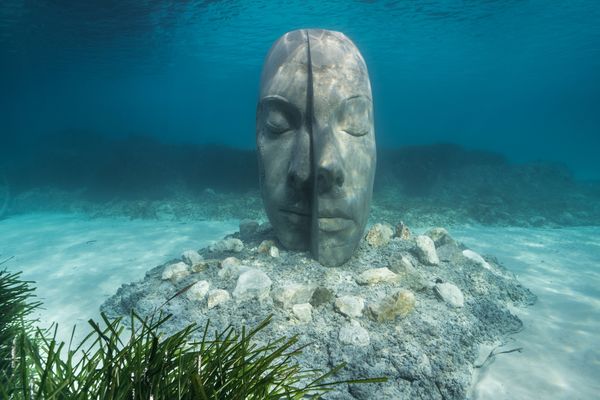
316, 143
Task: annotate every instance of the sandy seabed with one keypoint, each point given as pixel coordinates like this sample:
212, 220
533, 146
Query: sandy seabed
78, 262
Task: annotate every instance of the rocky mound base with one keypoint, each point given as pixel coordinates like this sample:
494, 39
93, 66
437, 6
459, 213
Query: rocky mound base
416, 309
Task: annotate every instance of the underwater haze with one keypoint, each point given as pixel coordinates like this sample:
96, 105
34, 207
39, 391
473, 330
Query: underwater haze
520, 78
465, 264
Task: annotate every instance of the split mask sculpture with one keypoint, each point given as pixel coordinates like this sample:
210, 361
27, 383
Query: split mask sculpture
316, 143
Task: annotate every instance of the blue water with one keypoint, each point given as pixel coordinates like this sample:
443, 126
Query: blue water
517, 77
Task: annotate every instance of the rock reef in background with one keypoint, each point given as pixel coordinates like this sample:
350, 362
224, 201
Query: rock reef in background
437, 185
384, 312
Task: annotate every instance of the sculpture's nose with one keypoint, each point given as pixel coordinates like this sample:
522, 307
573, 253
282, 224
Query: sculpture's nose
330, 174
298, 174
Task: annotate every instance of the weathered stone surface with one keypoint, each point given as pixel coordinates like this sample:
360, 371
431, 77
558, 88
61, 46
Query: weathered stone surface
351, 306
252, 284
248, 227
354, 334
191, 257
376, 275
342, 166
175, 272
379, 235
440, 236
426, 250
198, 291
294, 293
303, 312
399, 304
321, 296
227, 245
450, 293
217, 296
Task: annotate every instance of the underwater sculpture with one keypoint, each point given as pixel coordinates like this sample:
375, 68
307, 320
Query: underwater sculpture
316, 143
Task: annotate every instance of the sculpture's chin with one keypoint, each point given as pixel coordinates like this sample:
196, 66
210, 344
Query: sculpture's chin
335, 247
292, 230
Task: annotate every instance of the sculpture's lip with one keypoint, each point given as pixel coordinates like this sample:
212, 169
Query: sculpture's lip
296, 216
296, 211
335, 224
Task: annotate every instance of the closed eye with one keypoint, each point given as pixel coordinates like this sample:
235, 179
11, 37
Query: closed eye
279, 115
354, 116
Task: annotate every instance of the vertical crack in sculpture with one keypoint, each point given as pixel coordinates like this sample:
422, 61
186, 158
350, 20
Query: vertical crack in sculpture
314, 221
316, 143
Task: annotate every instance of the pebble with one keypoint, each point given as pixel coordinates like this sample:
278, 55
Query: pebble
402, 231
379, 235
407, 274
230, 244
450, 293
473, 256
217, 296
303, 312
232, 271
265, 246
321, 296
294, 293
198, 291
204, 264
191, 257
376, 275
399, 304
252, 284
274, 251
230, 262
175, 272
354, 334
351, 306
440, 236
426, 250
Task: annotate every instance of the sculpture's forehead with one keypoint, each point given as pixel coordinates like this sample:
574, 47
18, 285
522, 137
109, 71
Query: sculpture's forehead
335, 62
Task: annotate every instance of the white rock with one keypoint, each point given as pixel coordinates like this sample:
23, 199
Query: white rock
175, 272
450, 294
198, 291
252, 284
426, 250
217, 296
232, 271
231, 244
191, 257
230, 261
376, 275
471, 255
352, 306
303, 312
354, 334
294, 293
274, 251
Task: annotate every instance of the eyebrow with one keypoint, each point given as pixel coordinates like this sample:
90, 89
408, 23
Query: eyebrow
276, 99
358, 95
